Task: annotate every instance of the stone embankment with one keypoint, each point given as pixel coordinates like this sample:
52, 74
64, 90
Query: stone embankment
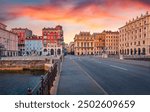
17, 65
27, 63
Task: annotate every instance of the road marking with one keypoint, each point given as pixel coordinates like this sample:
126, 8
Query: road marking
105, 93
118, 67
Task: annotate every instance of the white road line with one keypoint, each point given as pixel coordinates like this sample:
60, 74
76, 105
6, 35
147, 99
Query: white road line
105, 93
118, 67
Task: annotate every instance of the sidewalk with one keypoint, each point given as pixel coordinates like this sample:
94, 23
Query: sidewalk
74, 81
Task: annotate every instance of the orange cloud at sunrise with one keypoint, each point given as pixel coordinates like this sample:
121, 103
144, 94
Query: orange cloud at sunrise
74, 16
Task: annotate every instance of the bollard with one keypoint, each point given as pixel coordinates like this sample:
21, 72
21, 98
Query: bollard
29, 91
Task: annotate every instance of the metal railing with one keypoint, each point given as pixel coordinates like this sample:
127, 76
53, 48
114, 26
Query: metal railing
46, 82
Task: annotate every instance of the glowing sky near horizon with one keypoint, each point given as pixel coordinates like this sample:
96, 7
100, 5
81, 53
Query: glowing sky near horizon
73, 15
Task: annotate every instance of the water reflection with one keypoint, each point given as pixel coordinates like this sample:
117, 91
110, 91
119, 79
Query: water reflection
16, 83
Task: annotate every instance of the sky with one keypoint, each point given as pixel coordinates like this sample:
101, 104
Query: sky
73, 15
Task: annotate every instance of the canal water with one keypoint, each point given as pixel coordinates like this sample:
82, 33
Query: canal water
17, 83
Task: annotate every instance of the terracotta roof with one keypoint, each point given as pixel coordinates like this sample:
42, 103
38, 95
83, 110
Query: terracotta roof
3, 24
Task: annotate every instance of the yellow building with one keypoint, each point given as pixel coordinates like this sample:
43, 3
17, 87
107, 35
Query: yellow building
111, 42
134, 37
87, 44
83, 44
99, 43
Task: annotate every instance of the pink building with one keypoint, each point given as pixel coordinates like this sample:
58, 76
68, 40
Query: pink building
8, 42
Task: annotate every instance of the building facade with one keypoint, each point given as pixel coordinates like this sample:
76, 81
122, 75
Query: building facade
111, 42
52, 40
34, 45
70, 49
8, 42
83, 44
99, 43
134, 37
22, 34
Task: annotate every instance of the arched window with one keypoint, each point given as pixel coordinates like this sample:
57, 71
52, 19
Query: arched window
131, 51
58, 51
127, 51
139, 51
134, 50
52, 51
120, 52
123, 51
45, 50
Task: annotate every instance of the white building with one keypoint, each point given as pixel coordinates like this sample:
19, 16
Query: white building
52, 49
8, 42
134, 37
33, 45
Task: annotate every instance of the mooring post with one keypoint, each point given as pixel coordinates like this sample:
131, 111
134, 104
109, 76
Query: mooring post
29, 92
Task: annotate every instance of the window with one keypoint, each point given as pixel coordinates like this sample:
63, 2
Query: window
134, 43
143, 42
45, 43
138, 42
44, 33
54, 37
45, 37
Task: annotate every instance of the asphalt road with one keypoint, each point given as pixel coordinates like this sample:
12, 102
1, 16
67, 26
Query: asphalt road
90, 75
